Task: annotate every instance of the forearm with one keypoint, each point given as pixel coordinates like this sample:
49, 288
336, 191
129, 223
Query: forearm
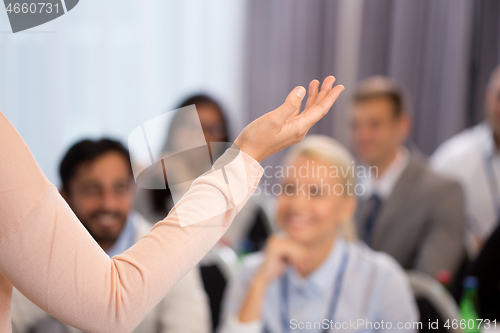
79, 285
251, 308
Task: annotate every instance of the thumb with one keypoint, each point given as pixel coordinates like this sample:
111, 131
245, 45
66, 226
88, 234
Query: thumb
292, 104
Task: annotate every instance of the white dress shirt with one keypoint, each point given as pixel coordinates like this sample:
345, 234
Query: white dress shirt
374, 288
473, 159
384, 184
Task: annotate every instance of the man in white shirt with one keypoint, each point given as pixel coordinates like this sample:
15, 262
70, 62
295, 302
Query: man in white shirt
405, 209
97, 183
473, 158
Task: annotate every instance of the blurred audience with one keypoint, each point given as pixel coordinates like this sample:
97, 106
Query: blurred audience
473, 158
405, 210
316, 270
98, 185
155, 204
250, 228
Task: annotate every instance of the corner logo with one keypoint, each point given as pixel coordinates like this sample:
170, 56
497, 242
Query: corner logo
26, 14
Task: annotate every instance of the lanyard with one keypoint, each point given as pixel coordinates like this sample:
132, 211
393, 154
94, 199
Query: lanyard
285, 317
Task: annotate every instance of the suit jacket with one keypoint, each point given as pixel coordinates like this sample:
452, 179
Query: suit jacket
422, 223
184, 309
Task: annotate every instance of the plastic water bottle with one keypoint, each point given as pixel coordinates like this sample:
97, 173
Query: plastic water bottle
469, 310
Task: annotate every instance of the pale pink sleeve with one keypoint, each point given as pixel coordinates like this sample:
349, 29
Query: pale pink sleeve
48, 255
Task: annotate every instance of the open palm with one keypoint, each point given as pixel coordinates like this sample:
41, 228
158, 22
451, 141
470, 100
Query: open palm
286, 125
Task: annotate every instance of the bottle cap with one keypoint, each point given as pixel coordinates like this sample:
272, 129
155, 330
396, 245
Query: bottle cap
471, 282
444, 277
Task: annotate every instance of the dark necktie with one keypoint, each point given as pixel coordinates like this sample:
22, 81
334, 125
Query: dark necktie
374, 208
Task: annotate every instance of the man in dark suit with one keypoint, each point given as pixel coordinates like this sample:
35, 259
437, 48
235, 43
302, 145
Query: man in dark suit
406, 210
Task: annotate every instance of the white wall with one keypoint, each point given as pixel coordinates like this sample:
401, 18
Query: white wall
107, 66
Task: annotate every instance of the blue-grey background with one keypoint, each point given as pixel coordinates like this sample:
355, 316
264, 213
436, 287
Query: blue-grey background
107, 66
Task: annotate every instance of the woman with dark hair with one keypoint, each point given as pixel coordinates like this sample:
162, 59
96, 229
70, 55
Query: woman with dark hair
212, 117
250, 230
156, 203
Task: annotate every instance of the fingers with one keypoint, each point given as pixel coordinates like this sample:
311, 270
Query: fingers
326, 87
317, 112
298, 256
291, 106
317, 106
332, 96
313, 93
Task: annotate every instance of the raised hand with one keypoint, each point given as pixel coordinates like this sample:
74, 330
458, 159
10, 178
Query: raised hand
286, 125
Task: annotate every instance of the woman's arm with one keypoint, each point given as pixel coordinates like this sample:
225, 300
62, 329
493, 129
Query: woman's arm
48, 255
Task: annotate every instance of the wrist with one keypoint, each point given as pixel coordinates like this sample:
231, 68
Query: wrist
252, 307
260, 281
239, 144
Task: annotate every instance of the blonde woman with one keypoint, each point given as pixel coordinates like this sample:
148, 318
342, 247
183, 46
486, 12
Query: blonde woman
315, 276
